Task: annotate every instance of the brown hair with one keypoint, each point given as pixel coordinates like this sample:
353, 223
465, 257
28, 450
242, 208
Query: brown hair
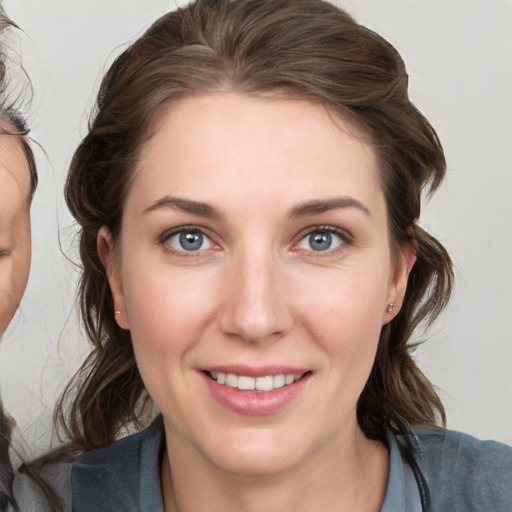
304, 49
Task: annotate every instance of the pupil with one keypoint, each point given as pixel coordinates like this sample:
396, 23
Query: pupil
320, 241
191, 241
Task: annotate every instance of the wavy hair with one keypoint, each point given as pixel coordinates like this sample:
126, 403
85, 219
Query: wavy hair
301, 49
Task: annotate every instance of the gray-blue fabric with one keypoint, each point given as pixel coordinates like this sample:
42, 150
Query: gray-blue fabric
464, 474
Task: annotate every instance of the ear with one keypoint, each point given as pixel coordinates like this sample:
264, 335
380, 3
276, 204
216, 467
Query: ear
403, 262
110, 261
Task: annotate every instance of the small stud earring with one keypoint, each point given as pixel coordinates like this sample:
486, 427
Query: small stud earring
390, 307
117, 313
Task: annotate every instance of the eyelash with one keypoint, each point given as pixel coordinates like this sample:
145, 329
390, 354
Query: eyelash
4, 252
345, 237
165, 238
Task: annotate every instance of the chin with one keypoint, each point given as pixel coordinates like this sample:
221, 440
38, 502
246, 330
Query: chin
262, 452
262, 462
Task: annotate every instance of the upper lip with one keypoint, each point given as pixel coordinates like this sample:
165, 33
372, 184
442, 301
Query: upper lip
255, 371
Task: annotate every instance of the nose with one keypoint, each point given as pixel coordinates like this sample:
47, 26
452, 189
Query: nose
256, 306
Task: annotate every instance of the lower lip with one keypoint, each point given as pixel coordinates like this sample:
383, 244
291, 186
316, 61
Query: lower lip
251, 403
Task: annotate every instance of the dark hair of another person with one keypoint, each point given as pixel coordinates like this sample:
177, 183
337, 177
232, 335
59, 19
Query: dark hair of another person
307, 50
13, 123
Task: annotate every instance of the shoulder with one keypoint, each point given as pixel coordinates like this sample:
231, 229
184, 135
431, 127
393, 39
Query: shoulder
466, 473
124, 454
124, 474
121, 476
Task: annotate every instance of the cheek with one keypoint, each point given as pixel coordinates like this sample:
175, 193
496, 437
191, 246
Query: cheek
345, 319
7, 309
169, 314
167, 310
348, 306
13, 280
347, 324
21, 270
14, 271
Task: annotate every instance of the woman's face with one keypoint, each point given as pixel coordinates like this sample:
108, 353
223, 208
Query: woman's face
14, 226
254, 252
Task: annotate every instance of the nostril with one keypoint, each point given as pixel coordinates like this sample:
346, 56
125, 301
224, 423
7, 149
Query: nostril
255, 323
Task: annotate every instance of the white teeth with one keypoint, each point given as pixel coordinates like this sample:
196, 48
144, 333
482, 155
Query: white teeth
279, 381
231, 380
265, 383
246, 383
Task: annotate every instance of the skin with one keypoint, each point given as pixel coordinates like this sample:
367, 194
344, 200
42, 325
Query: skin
14, 227
256, 293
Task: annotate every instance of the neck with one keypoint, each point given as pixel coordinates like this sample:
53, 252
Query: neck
347, 476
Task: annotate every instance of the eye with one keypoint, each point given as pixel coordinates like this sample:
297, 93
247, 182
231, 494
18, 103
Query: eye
4, 252
320, 240
189, 240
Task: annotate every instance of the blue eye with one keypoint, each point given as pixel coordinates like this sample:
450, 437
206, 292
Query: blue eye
321, 240
189, 240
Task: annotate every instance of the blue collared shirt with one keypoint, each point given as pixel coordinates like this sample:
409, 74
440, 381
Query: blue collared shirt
464, 475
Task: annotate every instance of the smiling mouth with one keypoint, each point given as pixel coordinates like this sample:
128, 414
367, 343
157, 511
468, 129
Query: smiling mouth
261, 384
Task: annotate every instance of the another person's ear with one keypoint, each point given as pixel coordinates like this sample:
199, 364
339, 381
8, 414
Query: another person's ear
110, 261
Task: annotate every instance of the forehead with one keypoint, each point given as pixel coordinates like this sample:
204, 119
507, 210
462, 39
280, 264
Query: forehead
15, 187
240, 144
14, 175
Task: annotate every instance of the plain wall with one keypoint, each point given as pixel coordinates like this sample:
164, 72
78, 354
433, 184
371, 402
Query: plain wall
459, 57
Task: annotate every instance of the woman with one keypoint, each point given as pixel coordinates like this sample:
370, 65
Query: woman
248, 196
18, 181
16, 188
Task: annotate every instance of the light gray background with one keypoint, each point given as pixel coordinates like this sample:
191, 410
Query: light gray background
459, 56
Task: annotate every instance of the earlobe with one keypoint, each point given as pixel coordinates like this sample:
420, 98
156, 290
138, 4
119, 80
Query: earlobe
404, 263
106, 252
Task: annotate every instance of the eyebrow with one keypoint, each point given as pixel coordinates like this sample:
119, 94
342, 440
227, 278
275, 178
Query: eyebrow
186, 205
322, 206
314, 207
